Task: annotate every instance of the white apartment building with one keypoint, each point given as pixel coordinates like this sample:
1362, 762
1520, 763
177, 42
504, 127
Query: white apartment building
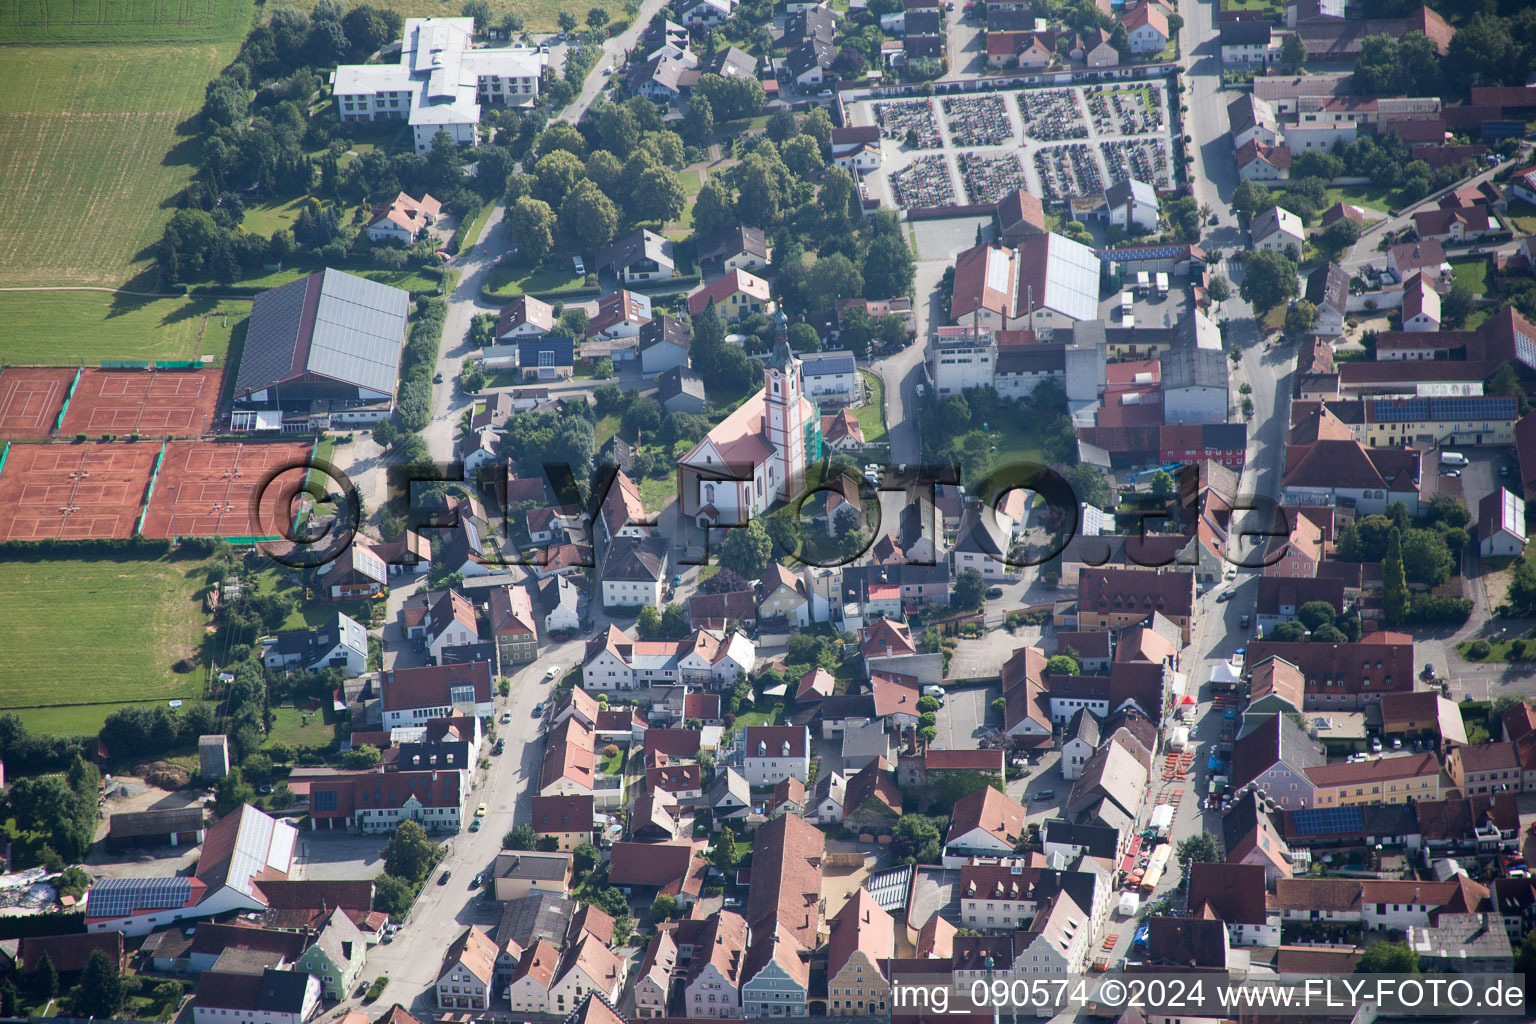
440, 83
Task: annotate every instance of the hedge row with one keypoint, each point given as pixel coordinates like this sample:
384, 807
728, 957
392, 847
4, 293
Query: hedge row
465, 223
418, 363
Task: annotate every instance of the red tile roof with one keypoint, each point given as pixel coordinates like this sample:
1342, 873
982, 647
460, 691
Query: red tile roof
430, 685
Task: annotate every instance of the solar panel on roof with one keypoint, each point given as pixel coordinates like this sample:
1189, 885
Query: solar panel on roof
122, 897
1464, 407
1326, 821
889, 888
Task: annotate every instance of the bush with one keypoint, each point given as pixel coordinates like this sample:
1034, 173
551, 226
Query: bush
1477, 650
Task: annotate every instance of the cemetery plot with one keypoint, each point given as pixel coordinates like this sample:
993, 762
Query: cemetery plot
1052, 115
1067, 171
1125, 109
910, 122
1143, 159
923, 182
978, 120
988, 178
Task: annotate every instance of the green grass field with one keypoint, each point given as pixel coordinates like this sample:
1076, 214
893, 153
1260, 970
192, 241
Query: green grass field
97, 630
123, 21
1472, 273
95, 147
60, 328
1374, 197
539, 15
508, 280
871, 415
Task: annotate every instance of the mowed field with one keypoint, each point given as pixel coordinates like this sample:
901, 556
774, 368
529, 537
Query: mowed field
66, 328
92, 148
538, 15
127, 21
97, 631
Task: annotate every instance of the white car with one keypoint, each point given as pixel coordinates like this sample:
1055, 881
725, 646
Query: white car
506, 716
553, 672
934, 691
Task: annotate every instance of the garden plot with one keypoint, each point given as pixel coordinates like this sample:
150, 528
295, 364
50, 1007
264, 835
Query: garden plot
1143, 159
923, 182
988, 179
978, 121
910, 122
1052, 115
1067, 171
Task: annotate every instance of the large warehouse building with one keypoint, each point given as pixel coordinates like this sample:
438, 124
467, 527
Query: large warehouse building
321, 350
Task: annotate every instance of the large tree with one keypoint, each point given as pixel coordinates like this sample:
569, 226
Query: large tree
101, 988
713, 209
556, 174
532, 225
657, 195
1269, 278
588, 216
409, 854
1394, 582
888, 268
970, 589
748, 550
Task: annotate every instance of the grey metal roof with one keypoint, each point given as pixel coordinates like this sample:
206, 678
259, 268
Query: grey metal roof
354, 334
828, 363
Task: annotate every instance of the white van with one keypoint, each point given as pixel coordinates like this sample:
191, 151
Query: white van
1452, 459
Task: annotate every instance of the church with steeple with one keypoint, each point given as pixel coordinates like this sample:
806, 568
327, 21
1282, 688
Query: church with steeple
757, 456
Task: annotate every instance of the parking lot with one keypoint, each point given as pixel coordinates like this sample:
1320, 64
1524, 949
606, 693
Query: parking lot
1056, 142
337, 856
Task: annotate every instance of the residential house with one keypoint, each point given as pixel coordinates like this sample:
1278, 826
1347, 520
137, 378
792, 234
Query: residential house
1423, 715
1247, 42
524, 317
831, 375
403, 219
985, 823
1251, 119
827, 798
1020, 215
1146, 28
1257, 161
734, 294
464, 982
513, 625
635, 572
1501, 524
1421, 305
730, 797
712, 985
772, 753
1251, 836
342, 643
357, 574
640, 256
1389, 779
1112, 599
1485, 768
738, 248
653, 979
546, 358
1327, 288
871, 797
620, 315
336, 956
681, 390
519, 873
380, 801
588, 967
646, 870
663, 344
266, 996
1235, 895
1132, 205
571, 820
528, 988
1277, 229
863, 937
1276, 757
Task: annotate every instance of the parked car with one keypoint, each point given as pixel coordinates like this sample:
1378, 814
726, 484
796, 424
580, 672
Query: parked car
499, 747
553, 672
1044, 794
1244, 621
474, 826
442, 879
994, 592
506, 716
480, 811
932, 690
538, 710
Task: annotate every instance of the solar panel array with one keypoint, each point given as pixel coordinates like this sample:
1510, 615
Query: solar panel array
1469, 407
121, 897
1328, 821
1140, 253
889, 888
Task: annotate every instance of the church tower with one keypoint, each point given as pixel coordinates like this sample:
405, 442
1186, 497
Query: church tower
783, 385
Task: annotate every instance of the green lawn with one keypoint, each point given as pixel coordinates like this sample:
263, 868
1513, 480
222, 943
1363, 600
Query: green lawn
1375, 197
123, 21
656, 492
97, 139
1472, 273
507, 281
289, 726
274, 580
60, 328
1522, 216
1275, 7
410, 280
540, 15
265, 218
612, 765
98, 630
871, 415
767, 711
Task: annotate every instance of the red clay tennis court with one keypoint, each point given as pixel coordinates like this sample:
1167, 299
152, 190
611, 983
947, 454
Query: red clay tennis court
74, 491
209, 489
156, 403
30, 399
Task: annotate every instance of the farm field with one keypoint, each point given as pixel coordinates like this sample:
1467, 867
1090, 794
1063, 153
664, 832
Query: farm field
93, 154
68, 327
540, 15
112, 629
123, 21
